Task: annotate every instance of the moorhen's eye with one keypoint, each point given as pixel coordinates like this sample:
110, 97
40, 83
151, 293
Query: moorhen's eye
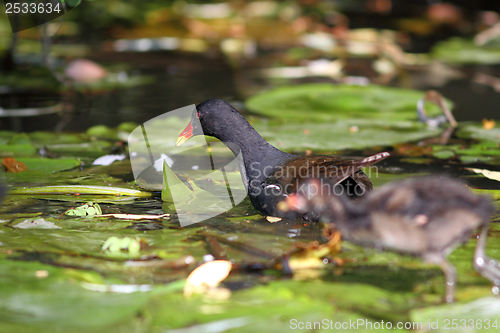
198, 115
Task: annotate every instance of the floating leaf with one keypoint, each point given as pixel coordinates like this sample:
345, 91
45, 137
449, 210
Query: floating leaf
115, 245
103, 132
194, 204
117, 288
328, 102
13, 165
495, 175
17, 150
495, 194
135, 216
477, 316
272, 219
93, 148
337, 135
36, 223
207, 276
457, 50
444, 154
49, 164
88, 209
477, 131
486, 151
173, 186
31, 304
80, 189
19, 139
42, 138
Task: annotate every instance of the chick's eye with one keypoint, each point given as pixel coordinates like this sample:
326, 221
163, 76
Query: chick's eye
198, 115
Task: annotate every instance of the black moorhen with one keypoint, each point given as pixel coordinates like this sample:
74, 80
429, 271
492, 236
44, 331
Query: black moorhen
422, 216
268, 173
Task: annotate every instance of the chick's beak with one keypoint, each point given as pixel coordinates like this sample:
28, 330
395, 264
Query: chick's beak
292, 203
185, 135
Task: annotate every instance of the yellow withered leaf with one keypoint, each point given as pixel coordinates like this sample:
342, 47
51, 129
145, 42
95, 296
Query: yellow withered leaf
272, 219
206, 276
495, 175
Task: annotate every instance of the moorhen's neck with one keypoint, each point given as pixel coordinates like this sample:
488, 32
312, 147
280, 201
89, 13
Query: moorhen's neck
259, 157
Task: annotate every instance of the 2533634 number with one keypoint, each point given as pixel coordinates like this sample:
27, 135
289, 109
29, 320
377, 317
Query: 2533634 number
470, 324
32, 8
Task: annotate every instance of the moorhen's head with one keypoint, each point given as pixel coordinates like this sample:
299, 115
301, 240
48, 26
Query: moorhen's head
214, 117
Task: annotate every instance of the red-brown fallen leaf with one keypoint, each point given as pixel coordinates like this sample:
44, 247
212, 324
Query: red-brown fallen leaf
12, 165
408, 149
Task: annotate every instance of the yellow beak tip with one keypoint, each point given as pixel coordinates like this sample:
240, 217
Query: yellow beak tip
180, 141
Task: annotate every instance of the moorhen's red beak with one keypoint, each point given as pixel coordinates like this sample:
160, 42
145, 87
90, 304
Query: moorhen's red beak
185, 135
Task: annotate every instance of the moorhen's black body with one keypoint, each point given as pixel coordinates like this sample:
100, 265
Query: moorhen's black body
268, 173
422, 216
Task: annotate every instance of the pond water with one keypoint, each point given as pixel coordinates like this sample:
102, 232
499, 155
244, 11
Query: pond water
181, 80
49, 277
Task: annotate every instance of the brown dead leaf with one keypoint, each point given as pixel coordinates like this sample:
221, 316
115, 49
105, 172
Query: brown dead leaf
12, 165
408, 149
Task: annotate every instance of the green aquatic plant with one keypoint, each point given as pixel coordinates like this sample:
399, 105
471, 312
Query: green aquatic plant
88, 209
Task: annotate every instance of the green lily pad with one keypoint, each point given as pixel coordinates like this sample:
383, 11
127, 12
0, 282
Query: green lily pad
80, 189
127, 127
475, 316
444, 154
485, 151
478, 132
173, 187
339, 135
57, 302
19, 139
459, 50
103, 132
17, 144
327, 102
192, 203
41, 138
17, 149
88, 209
35, 223
91, 149
276, 300
115, 245
49, 165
